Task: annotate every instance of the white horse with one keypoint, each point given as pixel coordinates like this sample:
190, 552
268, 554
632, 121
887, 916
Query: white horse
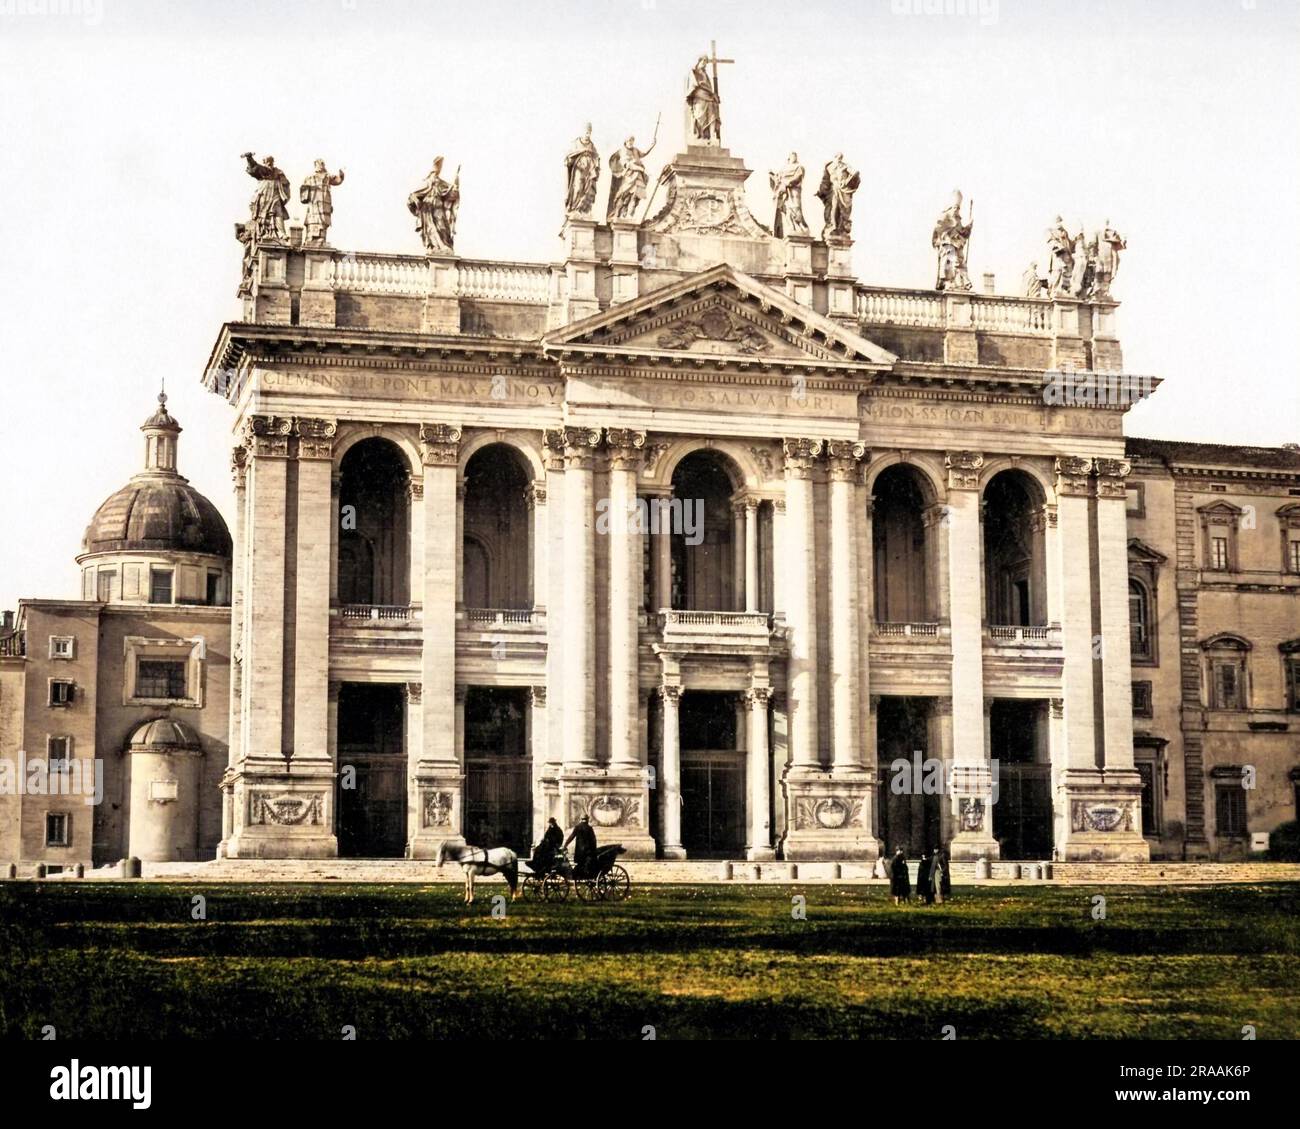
476, 861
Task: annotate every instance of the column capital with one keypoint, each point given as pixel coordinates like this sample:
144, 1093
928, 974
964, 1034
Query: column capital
963, 469
414, 693
580, 445
751, 503
415, 488
799, 455
671, 694
461, 692
1058, 708
623, 447
267, 436
1110, 477
942, 707
315, 437
845, 457
988, 707
537, 696
934, 514
1072, 473
552, 449
439, 444
535, 494
757, 696
1045, 517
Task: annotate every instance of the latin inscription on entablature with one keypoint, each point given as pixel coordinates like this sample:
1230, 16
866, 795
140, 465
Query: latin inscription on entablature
789, 399
483, 390
884, 410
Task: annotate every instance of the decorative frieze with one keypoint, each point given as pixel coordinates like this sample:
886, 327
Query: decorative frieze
239, 466
1110, 477
606, 809
436, 809
1104, 816
827, 813
285, 809
650, 460
963, 469
439, 444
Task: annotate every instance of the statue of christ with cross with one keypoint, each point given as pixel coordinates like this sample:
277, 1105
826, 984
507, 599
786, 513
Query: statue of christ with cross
703, 101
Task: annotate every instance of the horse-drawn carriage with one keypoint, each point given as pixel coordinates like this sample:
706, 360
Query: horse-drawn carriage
605, 879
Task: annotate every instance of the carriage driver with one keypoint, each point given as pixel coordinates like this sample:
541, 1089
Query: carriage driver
583, 838
544, 852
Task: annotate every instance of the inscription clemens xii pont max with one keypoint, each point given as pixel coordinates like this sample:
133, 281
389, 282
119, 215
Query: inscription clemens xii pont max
507, 390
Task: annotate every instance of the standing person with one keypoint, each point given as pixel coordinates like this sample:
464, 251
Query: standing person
946, 885
899, 885
583, 838
923, 879
938, 876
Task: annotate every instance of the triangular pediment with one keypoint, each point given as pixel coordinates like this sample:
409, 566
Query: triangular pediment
717, 315
1139, 550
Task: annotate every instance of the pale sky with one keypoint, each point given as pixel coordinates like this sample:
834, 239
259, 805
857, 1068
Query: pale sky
121, 179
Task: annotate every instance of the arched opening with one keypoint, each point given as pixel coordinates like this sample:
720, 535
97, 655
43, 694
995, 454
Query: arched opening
1139, 620
703, 535
374, 525
1014, 552
497, 541
902, 546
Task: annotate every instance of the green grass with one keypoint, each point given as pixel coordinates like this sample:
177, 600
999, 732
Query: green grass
301, 961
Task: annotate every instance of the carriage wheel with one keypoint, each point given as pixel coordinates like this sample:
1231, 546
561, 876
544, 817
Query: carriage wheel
531, 888
586, 890
555, 888
617, 884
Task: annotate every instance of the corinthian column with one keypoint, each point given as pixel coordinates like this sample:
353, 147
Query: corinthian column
624, 449
760, 761
798, 580
580, 445
845, 457
751, 555
670, 796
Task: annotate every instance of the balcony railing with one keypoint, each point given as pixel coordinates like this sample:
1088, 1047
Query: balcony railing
502, 617
1010, 633
878, 305
907, 630
375, 613
13, 646
409, 275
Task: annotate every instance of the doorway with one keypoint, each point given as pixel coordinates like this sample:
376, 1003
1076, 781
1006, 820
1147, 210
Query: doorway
498, 768
713, 776
372, 795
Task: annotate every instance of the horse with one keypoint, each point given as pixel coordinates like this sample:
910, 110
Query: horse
475, 861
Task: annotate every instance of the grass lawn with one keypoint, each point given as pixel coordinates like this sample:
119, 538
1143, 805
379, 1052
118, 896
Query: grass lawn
301, 961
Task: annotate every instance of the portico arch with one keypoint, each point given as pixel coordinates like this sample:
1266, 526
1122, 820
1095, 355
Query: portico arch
1015, 557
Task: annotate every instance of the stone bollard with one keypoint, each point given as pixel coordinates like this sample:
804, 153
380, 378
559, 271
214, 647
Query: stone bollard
982, 868
131, 868
1015, 870
728, 872
1047, 870
79, 871
1038, 871
837, 871
13, 870
40, 870
794, 871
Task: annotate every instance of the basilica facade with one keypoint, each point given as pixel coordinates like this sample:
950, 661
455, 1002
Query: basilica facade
689, 532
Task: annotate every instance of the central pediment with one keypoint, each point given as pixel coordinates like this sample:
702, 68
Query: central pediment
719, 315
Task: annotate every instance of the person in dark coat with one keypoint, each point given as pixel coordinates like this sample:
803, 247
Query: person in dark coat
946, 884
899, 885
583, 838
938, 875
923, 879
544, 852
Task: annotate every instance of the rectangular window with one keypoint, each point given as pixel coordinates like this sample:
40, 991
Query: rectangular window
1135, 500
59, 753
1292, 682
1141, 699
57, 829
1146, 770
104, 580
160, 678
1219, 553
1230, 810
1293, 555
160, 586
1227, 686
61, 692
214, 587
61, 646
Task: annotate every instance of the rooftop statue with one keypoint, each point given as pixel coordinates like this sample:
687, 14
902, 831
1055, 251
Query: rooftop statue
950, 240
839, 182
315, 193
582, 169
787, 193
267, 210
1061, 247
434, 205
1109, 244
703, 101
628, 178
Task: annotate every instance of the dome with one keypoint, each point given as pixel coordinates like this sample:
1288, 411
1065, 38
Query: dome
157, 513
163, 733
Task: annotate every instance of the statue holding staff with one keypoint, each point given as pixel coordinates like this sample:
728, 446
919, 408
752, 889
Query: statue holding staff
267, 210
950, 239
434, 205
628, 178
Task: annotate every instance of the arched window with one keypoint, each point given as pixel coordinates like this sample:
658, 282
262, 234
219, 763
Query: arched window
1226, 673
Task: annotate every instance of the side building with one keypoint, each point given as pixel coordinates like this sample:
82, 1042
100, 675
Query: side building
1214, 599
114, 707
